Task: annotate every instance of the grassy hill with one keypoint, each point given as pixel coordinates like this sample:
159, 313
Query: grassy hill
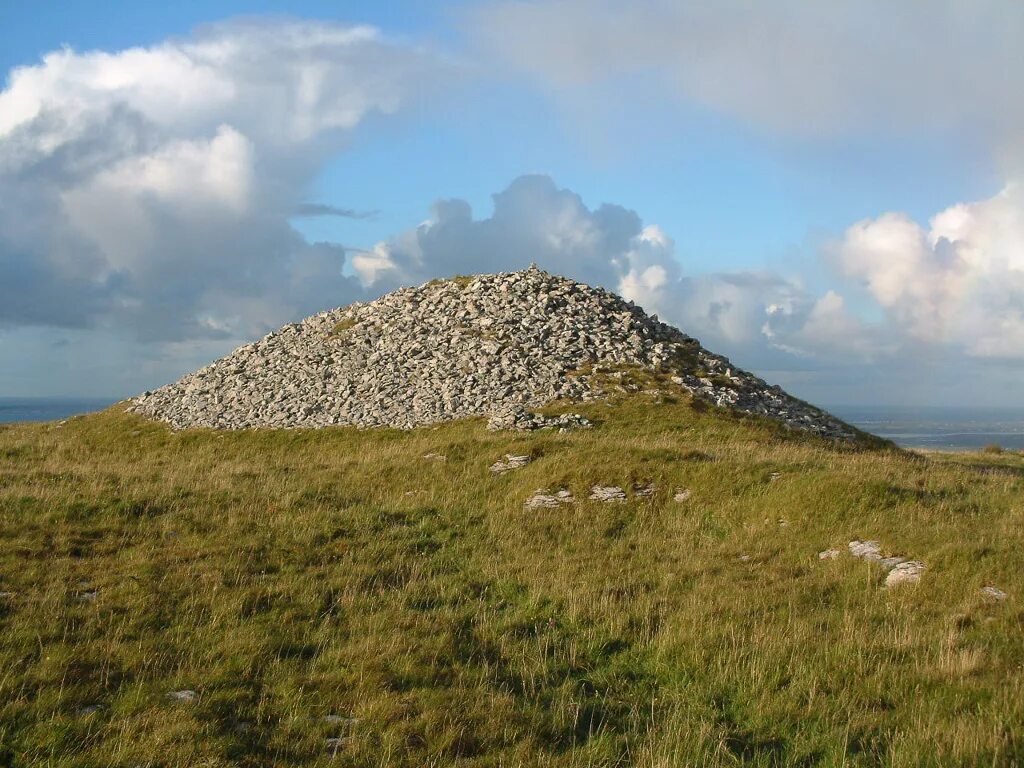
334, 598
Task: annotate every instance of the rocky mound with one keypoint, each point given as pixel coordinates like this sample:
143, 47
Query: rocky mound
449, 349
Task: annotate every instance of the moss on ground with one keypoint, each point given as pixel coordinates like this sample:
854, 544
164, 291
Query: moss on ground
334, 584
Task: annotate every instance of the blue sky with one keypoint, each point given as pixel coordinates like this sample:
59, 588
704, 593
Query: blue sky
787, 206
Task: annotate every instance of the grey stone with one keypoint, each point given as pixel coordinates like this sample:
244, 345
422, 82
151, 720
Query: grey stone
828, 554
993, 592
607, 493
182, 695
682, 495
541, 498
868, 550
908, 572
509, 463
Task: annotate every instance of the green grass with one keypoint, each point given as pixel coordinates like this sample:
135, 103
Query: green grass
288, 577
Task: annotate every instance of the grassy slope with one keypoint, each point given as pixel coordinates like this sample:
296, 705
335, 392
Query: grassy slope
289, 576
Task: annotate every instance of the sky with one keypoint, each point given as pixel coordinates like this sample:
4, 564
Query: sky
828, 193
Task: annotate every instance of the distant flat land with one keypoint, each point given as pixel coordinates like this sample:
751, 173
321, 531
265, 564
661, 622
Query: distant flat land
334, 597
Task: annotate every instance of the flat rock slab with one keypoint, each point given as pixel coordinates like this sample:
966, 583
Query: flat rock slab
607, 493
908, 572
994, 592
182, 695
541, 499
868, 550
828, 554
682, 494
509, 463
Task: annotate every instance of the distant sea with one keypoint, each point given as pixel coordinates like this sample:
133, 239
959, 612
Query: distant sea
48, 408
912, 427
939, 428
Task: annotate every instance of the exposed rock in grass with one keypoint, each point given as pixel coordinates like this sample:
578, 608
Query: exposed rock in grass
88, 596
491, 344
435, 457
908, 572
643, 491
89, 709
182, 695
510, 462
541, 498
868, 550
891, 562
994, 592
516, 417
682, 495
901, 570
828, 554
607, 493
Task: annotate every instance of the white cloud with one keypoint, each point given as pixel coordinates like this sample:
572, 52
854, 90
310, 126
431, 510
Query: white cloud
960, 281
151, 188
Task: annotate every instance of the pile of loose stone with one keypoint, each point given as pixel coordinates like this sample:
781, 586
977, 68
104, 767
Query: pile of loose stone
490, 345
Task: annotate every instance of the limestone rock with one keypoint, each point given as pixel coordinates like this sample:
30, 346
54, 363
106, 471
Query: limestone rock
607, 493
541, 498
868, 550
509, 463
908, 572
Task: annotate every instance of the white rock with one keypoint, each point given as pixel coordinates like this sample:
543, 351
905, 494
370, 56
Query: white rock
869, 550
682, 495
993, 592
182, 695
891, 562
908, 572
541, 498
607, 493
509, 463
828, 554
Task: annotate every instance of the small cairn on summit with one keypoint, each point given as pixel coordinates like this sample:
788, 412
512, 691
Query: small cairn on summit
489, 345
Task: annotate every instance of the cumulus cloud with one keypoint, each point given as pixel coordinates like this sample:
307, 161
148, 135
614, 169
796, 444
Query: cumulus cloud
960, 281
152, 188
796, 67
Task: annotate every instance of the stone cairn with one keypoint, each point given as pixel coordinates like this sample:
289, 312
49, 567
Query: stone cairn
489, 345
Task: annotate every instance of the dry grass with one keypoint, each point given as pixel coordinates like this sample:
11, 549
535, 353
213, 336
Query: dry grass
334, 584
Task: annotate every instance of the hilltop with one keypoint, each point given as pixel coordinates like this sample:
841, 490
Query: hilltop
468, 346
